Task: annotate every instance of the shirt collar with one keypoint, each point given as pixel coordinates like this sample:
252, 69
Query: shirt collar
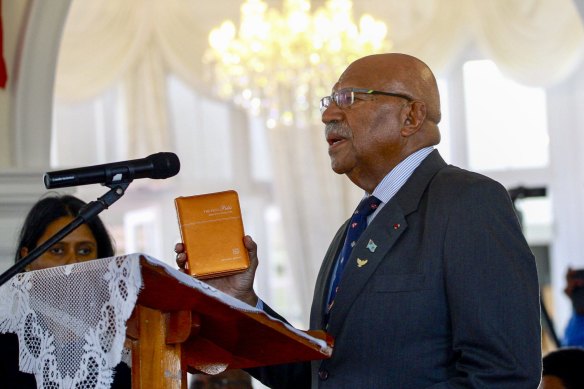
398, 176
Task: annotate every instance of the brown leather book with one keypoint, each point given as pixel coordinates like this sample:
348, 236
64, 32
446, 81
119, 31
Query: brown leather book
211, 228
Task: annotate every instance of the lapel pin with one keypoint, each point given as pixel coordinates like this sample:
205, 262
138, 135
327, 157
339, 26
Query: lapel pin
371, 246
396, 226
361, 262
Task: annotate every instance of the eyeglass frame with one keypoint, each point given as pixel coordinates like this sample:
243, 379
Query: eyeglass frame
331, 98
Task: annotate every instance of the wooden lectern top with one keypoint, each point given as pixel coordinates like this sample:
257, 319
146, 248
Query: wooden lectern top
216, 331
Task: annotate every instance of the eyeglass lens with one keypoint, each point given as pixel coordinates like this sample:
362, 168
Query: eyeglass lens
343, 97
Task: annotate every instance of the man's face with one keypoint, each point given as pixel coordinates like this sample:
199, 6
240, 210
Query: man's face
364, 139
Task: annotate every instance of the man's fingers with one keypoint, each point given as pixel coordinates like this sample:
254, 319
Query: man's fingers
181, 261
179, 248
249, 243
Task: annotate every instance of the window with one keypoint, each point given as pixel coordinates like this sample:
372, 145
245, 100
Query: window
506, 122
444, 146
89, 131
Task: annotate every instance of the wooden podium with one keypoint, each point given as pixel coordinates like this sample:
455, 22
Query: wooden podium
176, 327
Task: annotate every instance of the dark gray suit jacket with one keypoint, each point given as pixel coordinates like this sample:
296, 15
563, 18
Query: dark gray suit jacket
448, 299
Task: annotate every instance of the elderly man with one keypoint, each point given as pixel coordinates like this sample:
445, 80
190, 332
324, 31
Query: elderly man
431, 283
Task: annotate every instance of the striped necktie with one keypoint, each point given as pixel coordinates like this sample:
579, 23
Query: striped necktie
357, 225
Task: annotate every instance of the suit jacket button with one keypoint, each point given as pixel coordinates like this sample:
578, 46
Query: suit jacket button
323, 374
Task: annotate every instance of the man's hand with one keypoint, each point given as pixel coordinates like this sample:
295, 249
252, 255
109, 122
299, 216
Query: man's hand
238, 285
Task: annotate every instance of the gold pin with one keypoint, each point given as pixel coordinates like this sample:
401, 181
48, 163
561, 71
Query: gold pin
371, 246
362, 262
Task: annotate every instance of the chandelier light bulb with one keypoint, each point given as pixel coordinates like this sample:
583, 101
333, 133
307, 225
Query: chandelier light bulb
278, 64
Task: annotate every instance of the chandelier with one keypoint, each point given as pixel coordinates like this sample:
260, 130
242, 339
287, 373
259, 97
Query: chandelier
279, 64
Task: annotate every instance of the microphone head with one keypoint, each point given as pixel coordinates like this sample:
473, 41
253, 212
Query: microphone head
164, 165
158, 166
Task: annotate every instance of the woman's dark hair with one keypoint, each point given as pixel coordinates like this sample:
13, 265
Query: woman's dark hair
49, 209
566, 364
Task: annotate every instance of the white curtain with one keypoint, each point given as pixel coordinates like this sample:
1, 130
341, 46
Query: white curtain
535, 42
314, 200
137, 43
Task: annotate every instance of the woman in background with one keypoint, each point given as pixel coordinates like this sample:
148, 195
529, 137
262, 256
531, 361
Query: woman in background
88, 241
48, 216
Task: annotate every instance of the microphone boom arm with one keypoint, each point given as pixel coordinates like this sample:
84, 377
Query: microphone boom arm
87, 213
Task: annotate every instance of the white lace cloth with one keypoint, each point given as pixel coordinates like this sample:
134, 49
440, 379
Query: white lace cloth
71, 320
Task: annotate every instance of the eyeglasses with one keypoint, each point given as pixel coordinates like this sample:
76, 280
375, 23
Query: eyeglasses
345, 97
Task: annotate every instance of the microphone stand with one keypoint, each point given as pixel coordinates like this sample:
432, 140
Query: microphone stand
86, 213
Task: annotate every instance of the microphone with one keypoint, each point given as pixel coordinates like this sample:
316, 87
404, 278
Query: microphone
157, 166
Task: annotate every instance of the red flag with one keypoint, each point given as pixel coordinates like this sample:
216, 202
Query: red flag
3, 72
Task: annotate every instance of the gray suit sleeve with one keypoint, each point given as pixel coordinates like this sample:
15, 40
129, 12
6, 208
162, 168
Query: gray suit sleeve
492, 292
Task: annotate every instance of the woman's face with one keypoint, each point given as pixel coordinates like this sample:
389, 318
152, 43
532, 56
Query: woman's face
79, 246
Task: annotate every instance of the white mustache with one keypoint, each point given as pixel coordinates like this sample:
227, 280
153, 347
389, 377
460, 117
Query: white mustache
337, 129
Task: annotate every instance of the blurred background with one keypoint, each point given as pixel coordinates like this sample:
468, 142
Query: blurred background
232, 87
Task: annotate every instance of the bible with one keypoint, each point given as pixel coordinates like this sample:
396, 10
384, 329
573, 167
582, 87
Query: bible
212, 232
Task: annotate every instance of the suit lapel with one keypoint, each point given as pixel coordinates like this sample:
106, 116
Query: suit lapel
384, 231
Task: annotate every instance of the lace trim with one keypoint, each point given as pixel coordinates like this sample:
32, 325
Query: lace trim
51, 330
